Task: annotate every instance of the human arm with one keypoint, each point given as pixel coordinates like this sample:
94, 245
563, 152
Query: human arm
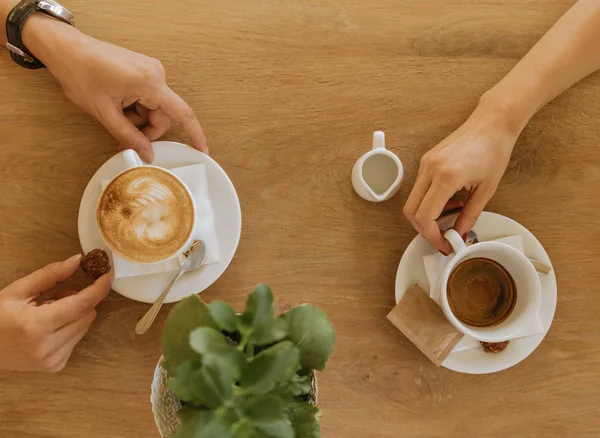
123, 90
475, 156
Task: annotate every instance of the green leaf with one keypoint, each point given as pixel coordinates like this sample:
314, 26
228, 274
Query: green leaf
196, 423
185, 316
261, 408
187, 414
192, 421
208, 340
312, 332
208, 385
270, 367
303, 417
259, 308
224, 315
180, 382
276, 429
243, 428
230, 414
212, 344
296, 386
269, 331
212, 384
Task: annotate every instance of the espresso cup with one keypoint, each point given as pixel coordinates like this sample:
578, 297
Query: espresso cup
521, 270
131, 161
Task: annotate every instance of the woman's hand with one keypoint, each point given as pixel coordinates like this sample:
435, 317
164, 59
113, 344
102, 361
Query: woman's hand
474, 157
125, 91
42, 337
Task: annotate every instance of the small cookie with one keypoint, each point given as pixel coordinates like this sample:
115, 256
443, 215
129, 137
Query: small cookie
494, 347
95, 263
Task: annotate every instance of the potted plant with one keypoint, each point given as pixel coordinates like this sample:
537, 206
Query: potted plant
249, 375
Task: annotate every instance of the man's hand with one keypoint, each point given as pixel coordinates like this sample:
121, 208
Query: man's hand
125, 91
42, 337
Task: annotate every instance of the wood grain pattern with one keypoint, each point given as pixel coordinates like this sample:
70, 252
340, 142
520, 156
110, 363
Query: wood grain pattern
289, 92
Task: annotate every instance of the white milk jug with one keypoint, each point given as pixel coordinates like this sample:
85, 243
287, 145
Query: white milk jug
377, 175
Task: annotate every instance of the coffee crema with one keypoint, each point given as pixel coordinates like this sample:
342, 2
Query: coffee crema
145, 214
481, 292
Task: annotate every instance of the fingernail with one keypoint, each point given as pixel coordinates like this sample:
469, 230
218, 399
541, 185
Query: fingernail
72, 259
464, 237
107, 278
147, 157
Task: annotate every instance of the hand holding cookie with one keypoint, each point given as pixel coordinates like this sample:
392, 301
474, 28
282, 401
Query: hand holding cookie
41, 337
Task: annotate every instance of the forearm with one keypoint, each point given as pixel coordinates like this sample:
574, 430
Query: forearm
566, 54
51, 41
5, 8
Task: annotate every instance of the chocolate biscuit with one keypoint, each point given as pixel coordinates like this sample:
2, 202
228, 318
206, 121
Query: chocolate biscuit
95, 263
494, 347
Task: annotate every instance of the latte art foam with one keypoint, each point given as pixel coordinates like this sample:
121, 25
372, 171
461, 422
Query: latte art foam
145, 214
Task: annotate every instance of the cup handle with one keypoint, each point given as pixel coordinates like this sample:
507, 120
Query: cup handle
455, 240
378, 140
132, 159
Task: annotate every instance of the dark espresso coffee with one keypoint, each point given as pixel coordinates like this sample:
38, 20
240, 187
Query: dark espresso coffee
481, 292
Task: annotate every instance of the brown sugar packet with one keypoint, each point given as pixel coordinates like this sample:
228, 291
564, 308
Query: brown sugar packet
423, 322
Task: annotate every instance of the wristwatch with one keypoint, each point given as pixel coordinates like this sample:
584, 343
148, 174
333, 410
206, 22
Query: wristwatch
17, 18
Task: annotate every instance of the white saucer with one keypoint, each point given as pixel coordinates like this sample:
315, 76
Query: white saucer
475, 361
228, 224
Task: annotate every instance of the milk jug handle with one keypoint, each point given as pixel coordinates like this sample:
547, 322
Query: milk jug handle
378, 140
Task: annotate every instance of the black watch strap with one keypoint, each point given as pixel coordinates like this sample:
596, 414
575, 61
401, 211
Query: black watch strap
14, 25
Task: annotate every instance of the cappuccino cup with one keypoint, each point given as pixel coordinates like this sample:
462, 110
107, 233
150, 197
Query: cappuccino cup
508, 278
146, 214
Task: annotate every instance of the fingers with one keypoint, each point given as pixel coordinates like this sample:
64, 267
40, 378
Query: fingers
137, 117
153, 123
176, 108
430, 210
71, 333
473, 207
61, 364
73, 307
159, 124
416, 197
453, 204
418, 215
42, 280
142, 111
54, 295
61, 356
58, 295
429, 198
126, 133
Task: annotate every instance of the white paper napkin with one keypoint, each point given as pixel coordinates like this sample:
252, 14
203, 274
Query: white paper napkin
434, 264
195, 178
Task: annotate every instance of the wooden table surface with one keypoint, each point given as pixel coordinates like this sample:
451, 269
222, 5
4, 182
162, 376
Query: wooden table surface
289, 92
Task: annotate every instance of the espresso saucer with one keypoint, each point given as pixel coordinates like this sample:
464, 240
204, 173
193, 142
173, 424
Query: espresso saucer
227, 216
490, 226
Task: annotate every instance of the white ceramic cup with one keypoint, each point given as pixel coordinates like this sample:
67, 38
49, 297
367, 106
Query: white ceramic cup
377, 175
527, 282
132, 159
